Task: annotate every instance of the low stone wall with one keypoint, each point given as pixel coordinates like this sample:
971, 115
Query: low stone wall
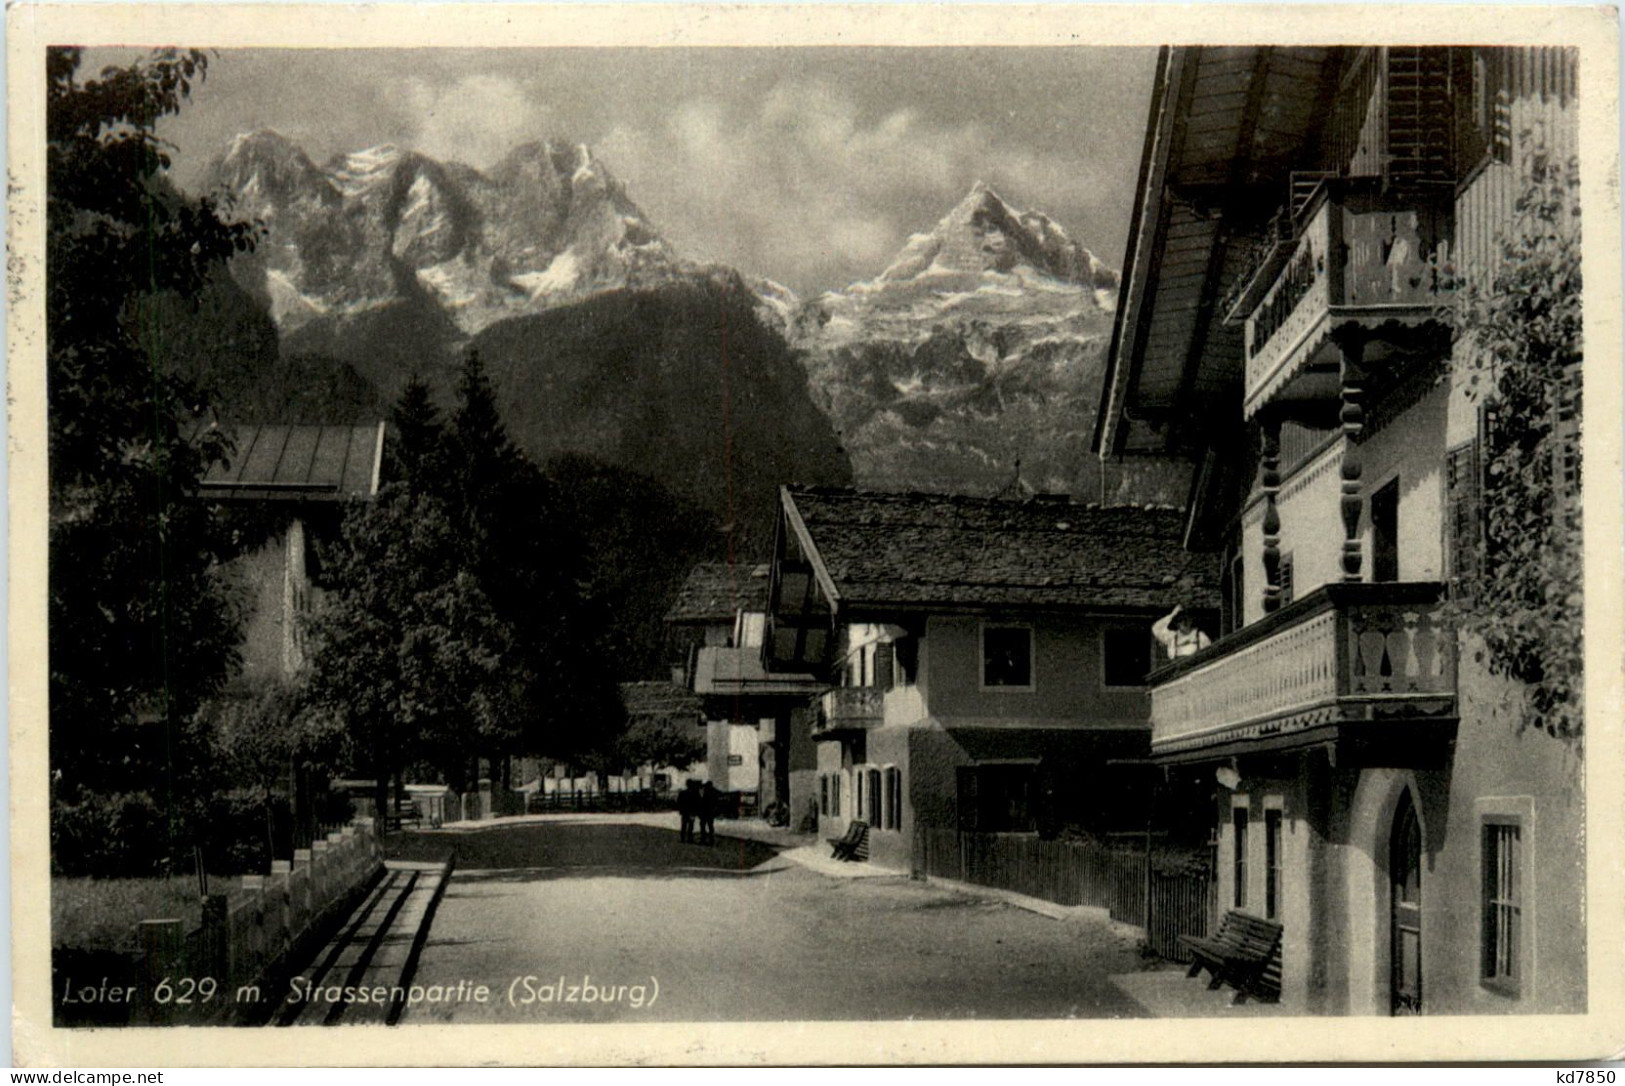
250, 939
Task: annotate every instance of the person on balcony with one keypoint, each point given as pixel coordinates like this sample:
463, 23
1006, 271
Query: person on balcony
1179, 635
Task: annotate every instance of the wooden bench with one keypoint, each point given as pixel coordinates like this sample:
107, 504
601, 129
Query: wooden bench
1245, 953
855, 845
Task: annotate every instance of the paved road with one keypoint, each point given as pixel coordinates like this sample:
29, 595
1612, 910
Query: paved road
730, 933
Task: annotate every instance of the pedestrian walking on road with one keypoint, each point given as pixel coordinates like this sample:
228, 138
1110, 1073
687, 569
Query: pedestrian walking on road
688, 806
708, 814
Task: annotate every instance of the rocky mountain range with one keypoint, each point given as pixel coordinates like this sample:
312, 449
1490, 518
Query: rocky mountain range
598, 338
981, 345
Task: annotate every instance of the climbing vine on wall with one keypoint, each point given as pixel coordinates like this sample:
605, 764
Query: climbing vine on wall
1522, 597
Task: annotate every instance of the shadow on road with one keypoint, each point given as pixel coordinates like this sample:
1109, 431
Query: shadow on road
555, 850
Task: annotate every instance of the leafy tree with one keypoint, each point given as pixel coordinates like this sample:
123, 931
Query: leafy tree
142, 628
271, 746
659, 741
1525, 351
407, 650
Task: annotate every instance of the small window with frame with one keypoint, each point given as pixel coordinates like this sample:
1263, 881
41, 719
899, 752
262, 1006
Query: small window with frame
1007, 657
1502, 930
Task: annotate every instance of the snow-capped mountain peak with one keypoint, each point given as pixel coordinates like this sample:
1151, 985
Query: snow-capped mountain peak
387, 226
983, 233
980, 344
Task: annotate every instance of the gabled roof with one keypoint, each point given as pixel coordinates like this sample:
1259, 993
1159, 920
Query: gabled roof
298, 463
716, 591
915, 551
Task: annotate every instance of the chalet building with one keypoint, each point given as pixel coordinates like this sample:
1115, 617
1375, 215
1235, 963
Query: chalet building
301, 478
758, 740
1284, 326
985, 658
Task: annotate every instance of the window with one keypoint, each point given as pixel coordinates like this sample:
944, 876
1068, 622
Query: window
857, 790
997, 798
1286, 578
1125, 655
1385, 532
1272, 864
894, 798
1238, 823
1007, 657
1502, 913
877, 800
835, 795
823, 795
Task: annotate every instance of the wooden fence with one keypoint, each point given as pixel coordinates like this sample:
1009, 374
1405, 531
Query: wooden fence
644, 800
252, 930
1073, 873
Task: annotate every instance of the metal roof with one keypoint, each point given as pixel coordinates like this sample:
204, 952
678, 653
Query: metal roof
298, 463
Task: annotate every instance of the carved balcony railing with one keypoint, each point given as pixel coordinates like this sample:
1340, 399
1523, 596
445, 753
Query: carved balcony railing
849, 709
1362, 261
1344, 655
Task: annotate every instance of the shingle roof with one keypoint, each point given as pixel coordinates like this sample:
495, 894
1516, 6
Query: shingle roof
659, 699
299, 463
714, 591
1046, 551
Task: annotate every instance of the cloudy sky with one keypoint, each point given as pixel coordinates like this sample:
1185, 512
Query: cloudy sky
807, 165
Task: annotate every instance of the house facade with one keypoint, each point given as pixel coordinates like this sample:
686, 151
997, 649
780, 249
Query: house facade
299, 478
1306, 221
757, 724
985, 658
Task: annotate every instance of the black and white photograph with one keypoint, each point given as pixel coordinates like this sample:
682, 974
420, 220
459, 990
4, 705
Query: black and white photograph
1064, 528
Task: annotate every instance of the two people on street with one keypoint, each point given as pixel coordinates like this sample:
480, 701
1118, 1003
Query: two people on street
696, 803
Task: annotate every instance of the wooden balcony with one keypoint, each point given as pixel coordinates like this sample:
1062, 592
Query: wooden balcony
849, 709
1363, 267
1361, 665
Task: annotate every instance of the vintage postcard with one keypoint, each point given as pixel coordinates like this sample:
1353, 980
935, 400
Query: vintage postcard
702, 534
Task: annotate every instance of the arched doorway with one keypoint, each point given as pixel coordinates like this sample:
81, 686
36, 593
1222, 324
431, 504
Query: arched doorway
1405, 905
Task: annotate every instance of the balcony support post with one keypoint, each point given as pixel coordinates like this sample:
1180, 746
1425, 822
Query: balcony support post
1270, 481
1352, 346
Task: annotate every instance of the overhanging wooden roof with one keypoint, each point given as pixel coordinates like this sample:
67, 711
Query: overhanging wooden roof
1226, 127
298, 463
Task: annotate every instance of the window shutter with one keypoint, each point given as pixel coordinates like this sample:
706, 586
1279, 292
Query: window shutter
883, 665
1464, 480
